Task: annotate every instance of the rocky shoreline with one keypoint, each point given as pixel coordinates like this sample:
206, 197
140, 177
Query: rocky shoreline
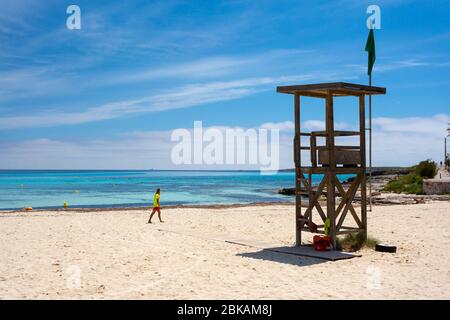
380, 178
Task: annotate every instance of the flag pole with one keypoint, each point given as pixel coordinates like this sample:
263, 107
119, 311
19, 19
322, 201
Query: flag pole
370, 133
370, 145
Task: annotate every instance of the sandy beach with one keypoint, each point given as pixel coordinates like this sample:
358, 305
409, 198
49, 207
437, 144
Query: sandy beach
117, 255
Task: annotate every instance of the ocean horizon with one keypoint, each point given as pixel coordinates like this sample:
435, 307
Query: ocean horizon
49, 189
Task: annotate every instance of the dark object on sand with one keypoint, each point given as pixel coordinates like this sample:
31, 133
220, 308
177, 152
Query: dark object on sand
385, 248
287, 191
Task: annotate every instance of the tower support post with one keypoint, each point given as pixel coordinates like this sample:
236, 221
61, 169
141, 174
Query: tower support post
297, 161
362, 143
331, 212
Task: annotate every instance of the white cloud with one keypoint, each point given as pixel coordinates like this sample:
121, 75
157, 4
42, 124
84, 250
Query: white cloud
209, 67
394, 65
314, 125
282, 126
427, 125
132, 153
184, 97
215, 66
317, 125
151, 149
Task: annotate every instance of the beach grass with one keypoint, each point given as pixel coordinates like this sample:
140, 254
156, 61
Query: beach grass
412, 183
354, 242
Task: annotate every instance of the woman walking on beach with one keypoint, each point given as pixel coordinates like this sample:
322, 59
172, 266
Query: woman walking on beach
156, 206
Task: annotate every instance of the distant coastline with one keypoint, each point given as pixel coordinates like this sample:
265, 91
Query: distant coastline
384, 170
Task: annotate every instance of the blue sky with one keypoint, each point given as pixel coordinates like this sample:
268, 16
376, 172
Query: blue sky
108, 95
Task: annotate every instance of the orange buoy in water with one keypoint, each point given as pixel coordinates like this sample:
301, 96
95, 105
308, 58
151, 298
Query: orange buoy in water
28, 209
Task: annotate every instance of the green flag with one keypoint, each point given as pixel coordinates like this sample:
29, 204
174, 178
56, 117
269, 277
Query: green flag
370, 48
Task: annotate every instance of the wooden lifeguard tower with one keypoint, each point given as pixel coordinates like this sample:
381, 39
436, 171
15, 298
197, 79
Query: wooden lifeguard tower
330, 160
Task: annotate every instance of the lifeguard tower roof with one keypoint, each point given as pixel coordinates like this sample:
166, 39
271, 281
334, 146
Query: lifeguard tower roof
336, 88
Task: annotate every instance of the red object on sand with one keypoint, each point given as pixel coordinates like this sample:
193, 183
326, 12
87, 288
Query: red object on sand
322, 243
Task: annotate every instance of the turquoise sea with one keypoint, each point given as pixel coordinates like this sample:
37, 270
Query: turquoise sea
87, 188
